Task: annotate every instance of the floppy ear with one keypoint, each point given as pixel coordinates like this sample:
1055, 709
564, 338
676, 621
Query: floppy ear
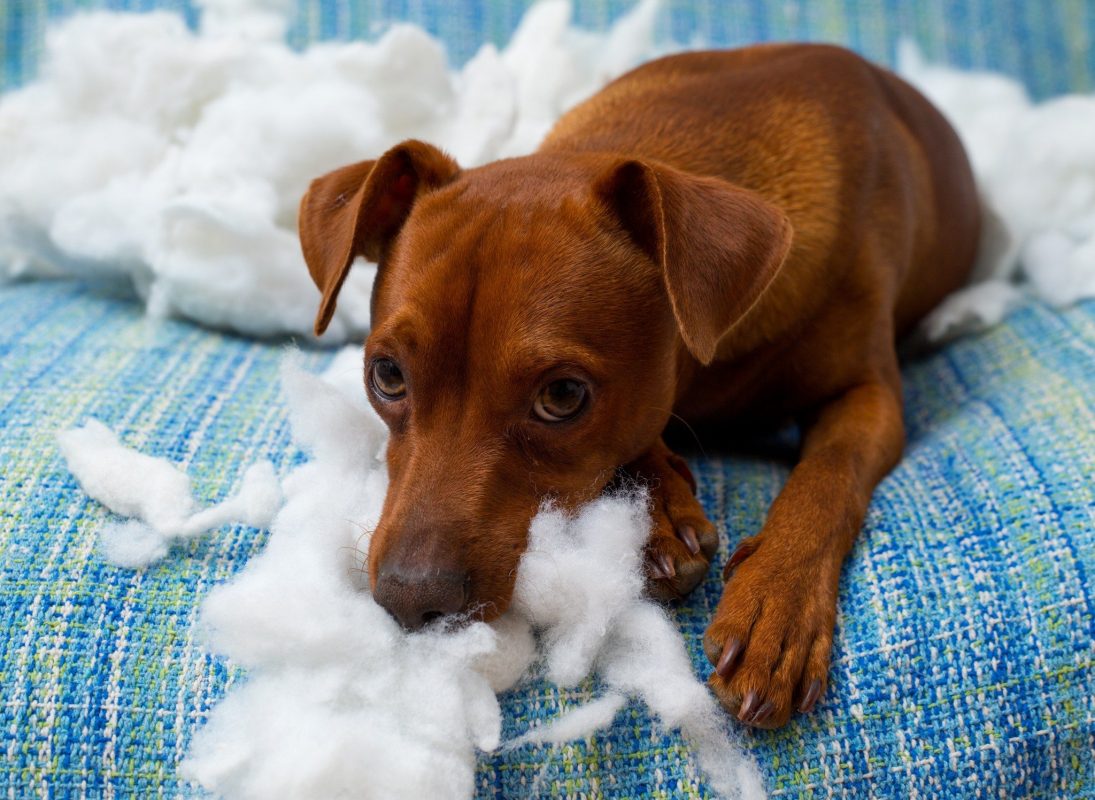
357, 210
718, 246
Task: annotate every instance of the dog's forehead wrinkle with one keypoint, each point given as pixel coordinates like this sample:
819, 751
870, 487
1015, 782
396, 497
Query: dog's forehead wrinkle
489, 289
541, 182
556, 277
543, 259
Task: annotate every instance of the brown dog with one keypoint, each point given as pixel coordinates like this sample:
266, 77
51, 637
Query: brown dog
723, 235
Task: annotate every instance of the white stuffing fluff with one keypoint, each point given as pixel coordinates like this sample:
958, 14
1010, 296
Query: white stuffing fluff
176, 160
339, 700
1035, 169
158, 495
575, 723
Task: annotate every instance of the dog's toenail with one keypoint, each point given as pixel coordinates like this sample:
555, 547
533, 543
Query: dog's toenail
812, 694
729, 656
687, 534
763, 713
749, 707
743, 552
665, 564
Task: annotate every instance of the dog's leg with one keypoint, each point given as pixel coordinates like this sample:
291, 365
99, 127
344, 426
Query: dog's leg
683, 540
773, 628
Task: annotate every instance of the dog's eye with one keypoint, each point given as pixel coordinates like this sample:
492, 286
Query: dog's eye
387, 379
560, 400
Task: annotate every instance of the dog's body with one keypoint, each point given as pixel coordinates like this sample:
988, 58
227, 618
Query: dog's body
801, 127
722, 235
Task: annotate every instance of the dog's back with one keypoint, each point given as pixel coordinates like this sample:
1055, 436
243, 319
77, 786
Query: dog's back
854, 156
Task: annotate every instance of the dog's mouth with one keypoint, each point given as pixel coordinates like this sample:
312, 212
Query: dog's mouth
473, 610
476, 611
429, 596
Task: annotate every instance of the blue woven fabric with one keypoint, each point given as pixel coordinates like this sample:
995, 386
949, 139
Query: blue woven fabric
963, 663
1045, 44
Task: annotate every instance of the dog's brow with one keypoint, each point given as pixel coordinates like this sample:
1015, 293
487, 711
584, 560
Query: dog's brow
545, 355
402, 332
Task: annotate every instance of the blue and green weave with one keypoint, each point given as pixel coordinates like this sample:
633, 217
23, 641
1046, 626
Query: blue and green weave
1046, 43
964, 662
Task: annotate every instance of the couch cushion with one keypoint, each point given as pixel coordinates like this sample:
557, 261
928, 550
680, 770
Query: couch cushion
1041, 44
963, 662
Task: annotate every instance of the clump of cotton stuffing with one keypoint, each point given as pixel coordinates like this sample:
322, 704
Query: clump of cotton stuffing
341, 701
564, 588
157, 496
1035, 169
580, 584
177, 159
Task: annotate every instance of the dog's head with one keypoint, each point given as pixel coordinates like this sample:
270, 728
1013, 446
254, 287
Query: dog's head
530, 323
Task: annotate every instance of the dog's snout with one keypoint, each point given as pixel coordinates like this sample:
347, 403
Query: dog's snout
416, 598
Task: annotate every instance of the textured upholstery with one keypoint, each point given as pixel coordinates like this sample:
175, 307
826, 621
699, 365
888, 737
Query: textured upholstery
964, 663
1046, 44
964, 654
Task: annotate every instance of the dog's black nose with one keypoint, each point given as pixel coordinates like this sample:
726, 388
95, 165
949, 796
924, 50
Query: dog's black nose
417, 598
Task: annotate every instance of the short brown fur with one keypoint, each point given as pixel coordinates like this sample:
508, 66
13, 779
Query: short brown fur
724, 236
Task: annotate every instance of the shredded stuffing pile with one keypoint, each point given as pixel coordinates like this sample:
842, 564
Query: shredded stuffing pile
1035, 168
176, 160
339, 700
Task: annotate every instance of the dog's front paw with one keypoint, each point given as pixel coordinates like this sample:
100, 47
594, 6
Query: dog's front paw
683, 540
771, 635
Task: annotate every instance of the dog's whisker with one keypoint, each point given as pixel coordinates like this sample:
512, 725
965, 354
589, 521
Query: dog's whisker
366, 531
685, 423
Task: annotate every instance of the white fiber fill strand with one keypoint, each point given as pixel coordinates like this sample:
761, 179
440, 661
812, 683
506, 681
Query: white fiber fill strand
157, 495
339, 700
